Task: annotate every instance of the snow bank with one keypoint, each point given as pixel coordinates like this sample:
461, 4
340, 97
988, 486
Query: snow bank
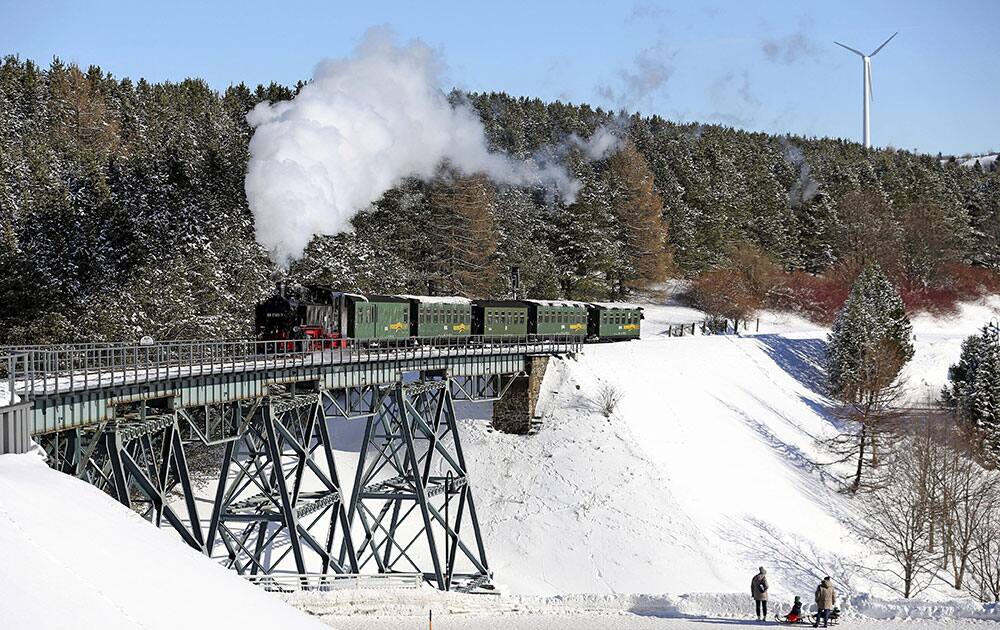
74, 558
408, 608
412, 604
876, 608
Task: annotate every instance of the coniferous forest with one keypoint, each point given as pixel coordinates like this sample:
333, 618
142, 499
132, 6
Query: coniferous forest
123, 212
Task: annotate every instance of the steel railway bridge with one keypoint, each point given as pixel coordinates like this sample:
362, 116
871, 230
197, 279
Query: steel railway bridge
126, 417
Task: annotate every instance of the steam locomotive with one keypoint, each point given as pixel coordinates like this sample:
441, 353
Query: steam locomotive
330, 318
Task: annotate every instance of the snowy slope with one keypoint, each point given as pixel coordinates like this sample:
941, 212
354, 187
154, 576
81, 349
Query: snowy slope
985, 161
704, 472
707, 470
71, 557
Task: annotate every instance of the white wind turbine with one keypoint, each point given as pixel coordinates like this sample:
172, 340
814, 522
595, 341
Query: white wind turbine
867, 79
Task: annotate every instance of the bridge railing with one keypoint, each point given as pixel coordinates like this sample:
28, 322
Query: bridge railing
40, 370
13, 368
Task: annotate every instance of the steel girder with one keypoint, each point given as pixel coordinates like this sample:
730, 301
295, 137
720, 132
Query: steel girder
140, 461
411, 492
276, 508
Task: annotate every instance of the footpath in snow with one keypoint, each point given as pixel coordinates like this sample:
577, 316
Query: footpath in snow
72, 557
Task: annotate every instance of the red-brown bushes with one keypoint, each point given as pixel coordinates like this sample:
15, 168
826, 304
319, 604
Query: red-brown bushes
819, 297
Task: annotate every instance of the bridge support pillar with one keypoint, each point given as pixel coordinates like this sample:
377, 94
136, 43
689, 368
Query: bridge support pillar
141, 462
279, 505
515, 411
412, 494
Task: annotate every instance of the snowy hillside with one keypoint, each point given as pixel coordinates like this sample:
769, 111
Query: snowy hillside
985, 161
707, 469
72, 557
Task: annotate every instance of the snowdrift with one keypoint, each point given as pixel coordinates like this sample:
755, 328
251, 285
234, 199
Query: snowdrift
72, 557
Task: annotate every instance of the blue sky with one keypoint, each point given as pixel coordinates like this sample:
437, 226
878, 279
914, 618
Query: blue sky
767, 66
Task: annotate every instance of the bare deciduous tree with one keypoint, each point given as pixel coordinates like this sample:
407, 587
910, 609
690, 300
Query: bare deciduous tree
871, 423
967, 493
983, 579
894, 523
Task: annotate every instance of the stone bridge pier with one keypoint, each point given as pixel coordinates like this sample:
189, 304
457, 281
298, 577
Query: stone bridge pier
516, 411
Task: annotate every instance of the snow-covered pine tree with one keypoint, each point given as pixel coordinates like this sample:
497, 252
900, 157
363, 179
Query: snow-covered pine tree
868, 346
974, 391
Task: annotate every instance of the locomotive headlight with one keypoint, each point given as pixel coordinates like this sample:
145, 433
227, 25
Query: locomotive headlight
295, 329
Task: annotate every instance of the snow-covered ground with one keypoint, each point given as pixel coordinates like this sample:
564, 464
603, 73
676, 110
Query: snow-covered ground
71, 557
397, 611
985, 161
709, 467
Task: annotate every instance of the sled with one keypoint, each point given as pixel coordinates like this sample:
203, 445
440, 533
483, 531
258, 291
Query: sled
834, 618
802, 621
807, 619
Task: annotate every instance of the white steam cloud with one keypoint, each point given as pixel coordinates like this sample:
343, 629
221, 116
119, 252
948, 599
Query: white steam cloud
805, 186
362, 125
602, 143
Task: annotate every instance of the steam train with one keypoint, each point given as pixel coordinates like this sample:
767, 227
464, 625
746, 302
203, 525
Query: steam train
331, 318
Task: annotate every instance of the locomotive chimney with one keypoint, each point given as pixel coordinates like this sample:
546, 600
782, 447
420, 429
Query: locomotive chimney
279, 283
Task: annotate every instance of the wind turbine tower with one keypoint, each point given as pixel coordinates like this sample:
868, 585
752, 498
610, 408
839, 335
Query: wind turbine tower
867, 80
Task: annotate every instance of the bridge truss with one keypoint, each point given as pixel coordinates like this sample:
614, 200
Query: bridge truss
277, 505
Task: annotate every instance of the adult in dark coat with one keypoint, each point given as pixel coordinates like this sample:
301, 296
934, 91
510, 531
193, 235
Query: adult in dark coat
758, 589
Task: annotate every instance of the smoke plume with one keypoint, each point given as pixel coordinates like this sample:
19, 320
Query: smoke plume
362, 125
805, 186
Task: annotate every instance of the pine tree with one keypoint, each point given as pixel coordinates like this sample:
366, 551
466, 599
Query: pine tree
974, 391
867, 348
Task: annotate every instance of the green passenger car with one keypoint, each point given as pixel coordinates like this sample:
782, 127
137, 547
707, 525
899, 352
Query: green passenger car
612, 321
375, 317
554, 318
439, 316
500, 318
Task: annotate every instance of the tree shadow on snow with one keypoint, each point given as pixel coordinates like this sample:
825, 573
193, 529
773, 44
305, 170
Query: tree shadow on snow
797, 562
803, 359
790, 453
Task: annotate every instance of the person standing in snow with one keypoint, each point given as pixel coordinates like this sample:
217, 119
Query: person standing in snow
758, 589
826, 596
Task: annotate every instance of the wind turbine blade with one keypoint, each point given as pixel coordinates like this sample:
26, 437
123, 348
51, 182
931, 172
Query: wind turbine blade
856, 52
871, 86
883, 44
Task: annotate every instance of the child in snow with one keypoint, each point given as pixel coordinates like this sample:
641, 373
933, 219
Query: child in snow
795, 614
